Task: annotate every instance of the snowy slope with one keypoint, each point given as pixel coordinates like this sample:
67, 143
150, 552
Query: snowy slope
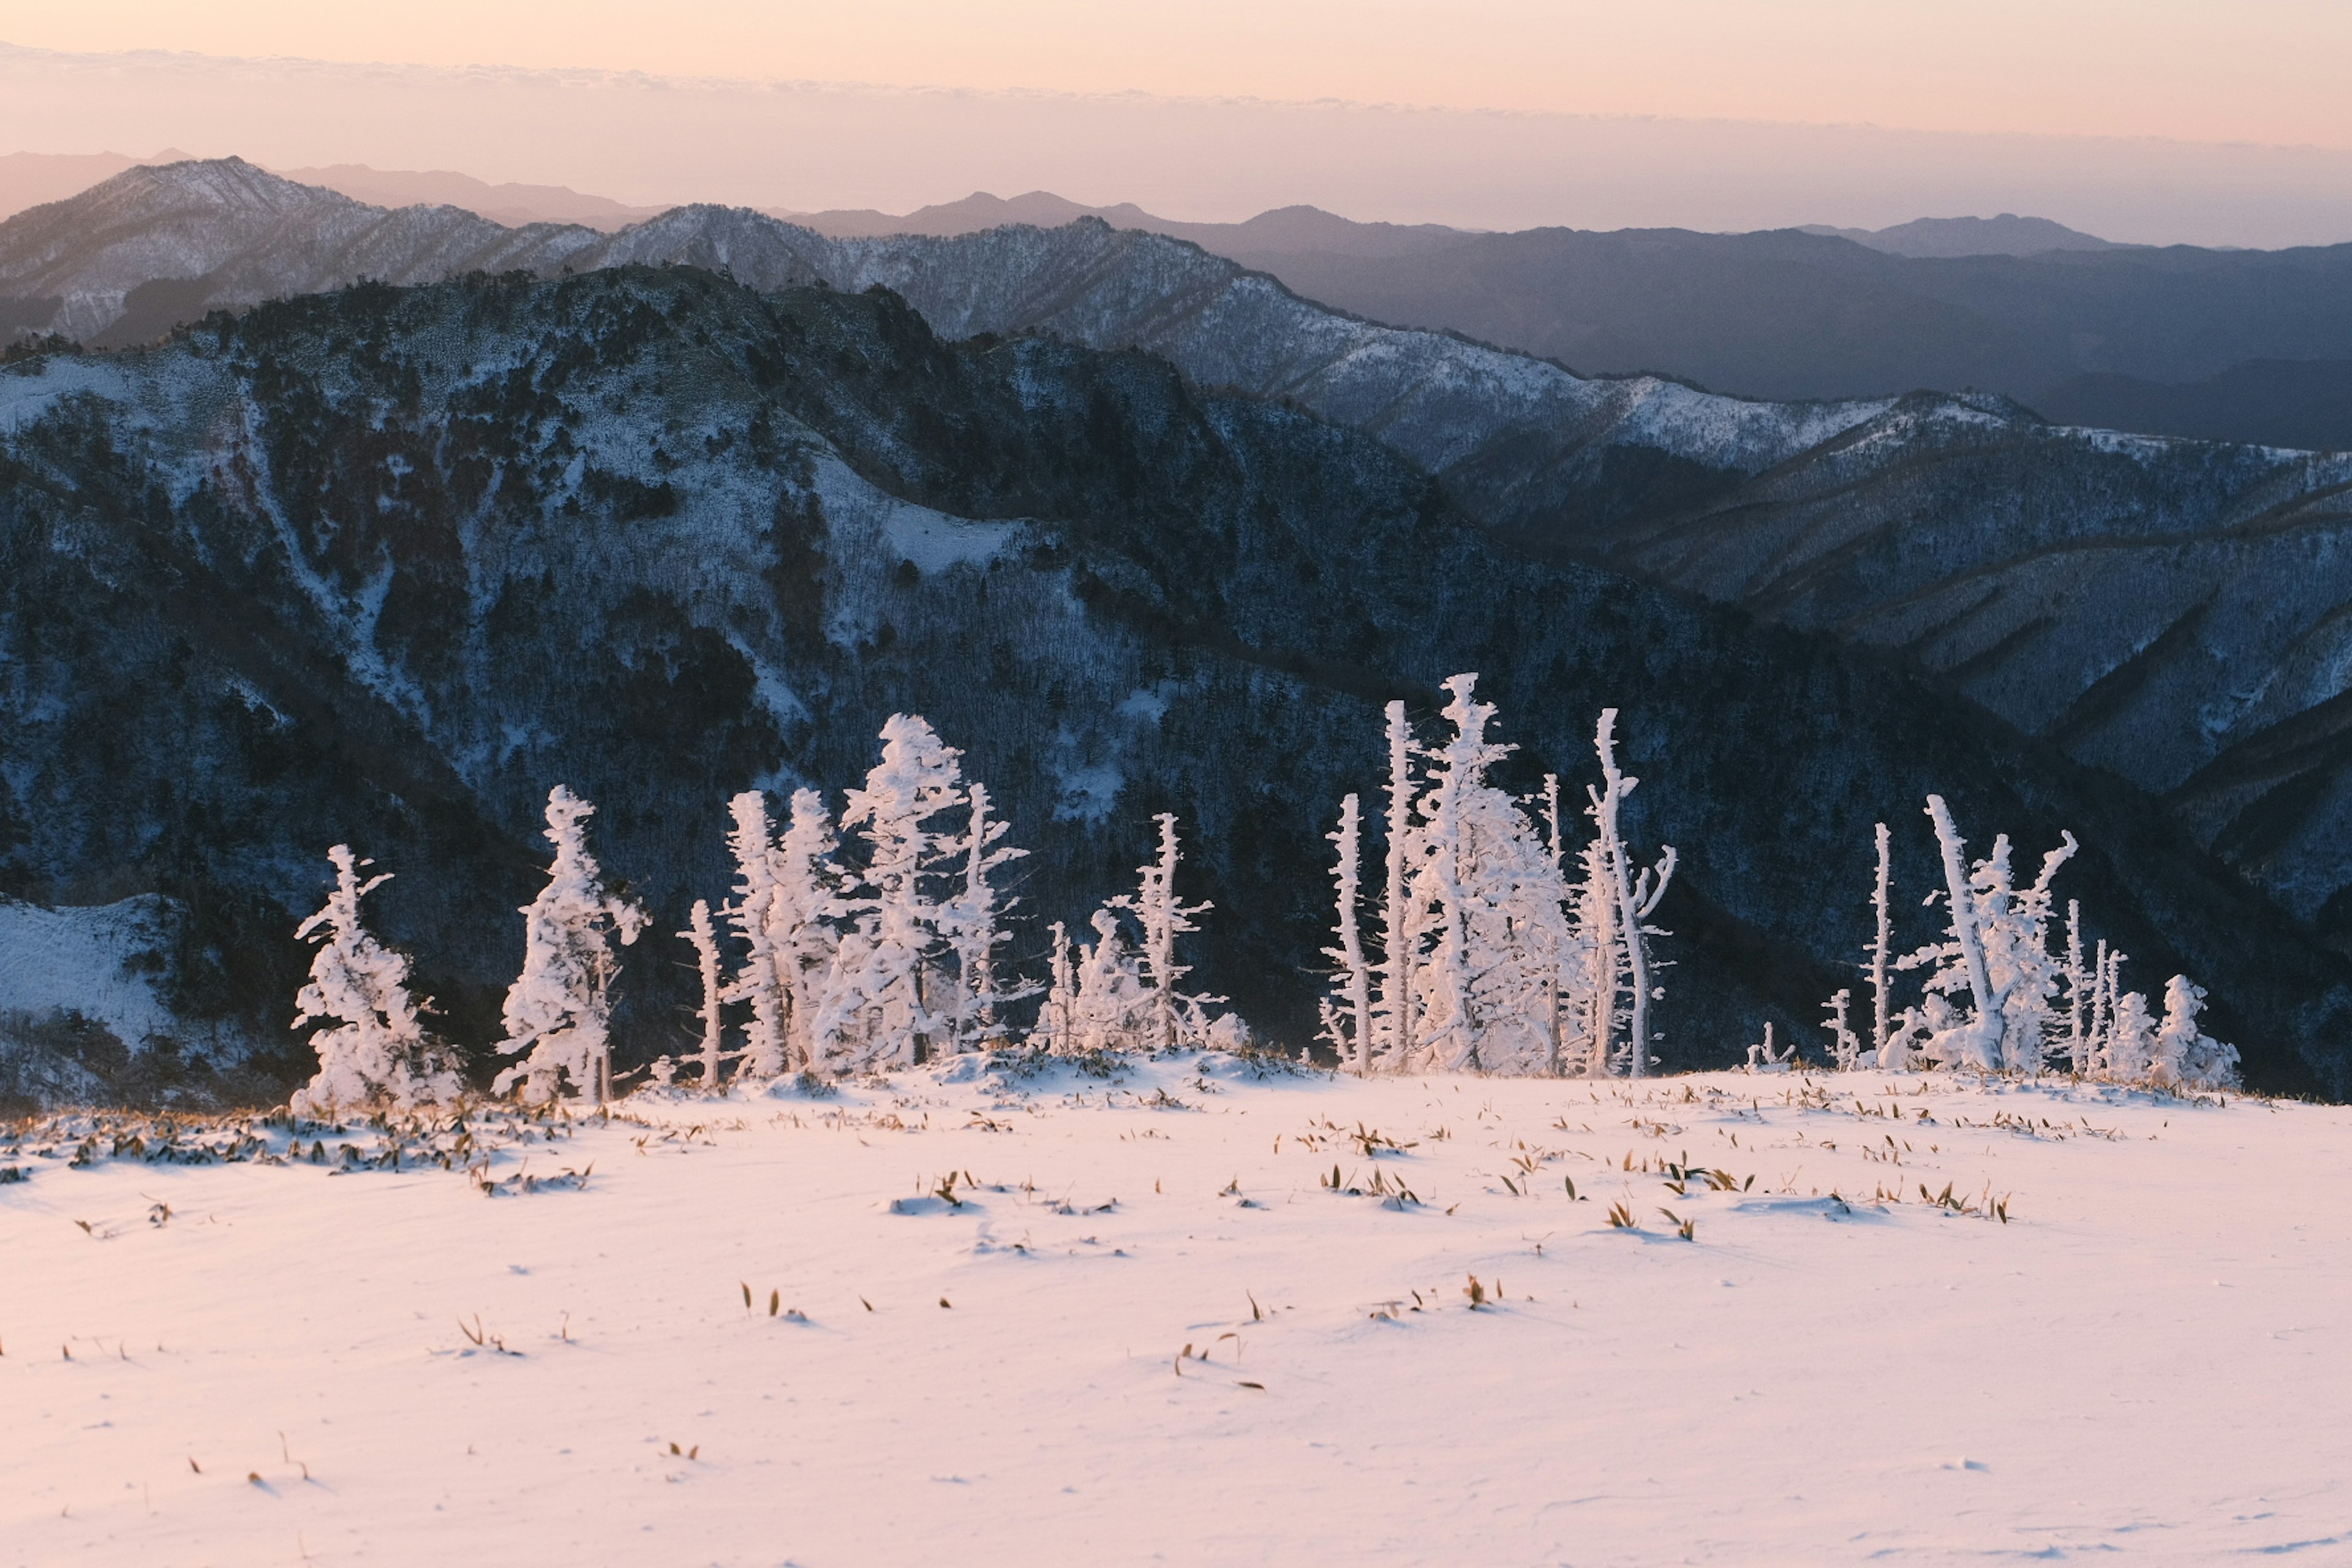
86, 960
2141, 1367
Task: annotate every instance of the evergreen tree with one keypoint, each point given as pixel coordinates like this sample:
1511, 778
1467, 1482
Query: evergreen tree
1497, 902
377, 1052
884, 1003
559, 1012
974, 926
2182, 1053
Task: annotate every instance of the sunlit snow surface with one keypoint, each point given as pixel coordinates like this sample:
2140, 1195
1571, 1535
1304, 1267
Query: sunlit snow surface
2145, 1365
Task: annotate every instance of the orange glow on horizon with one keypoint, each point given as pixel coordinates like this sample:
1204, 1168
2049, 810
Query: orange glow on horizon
2265, 71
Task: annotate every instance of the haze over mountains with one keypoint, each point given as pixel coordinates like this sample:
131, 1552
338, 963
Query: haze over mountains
2165, 610
2007, 234
2218, 345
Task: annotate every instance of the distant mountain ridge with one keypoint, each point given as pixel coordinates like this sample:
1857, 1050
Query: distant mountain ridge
1283, 231
2007, 234
2054, 319
515, 205
2168, 610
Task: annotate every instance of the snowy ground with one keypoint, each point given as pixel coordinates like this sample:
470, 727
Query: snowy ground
2145, 1363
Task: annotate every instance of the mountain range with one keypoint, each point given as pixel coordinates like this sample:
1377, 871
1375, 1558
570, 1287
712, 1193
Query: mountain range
380, 566
2067, 623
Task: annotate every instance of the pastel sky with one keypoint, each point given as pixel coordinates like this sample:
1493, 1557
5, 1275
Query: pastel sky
2239, 70
2209, 121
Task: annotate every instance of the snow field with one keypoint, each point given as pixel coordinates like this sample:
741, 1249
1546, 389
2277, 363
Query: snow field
2143, 1365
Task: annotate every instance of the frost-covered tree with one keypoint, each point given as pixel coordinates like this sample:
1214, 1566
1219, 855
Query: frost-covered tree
786, 889
1890, 1053
2078, 982
1970, 1039
2018, 937
1491, 959
1111, 1008
887, 1000
2093, 1059
2131, 1038
376, 1052
763, 980
703, 937
1488, 989
1404, 922
1597, 965
1057, 1020
1998, 949
1845, 1045
2183, 1053
1171, 1017
972, 924
559, 1012
1348, 1021
1636, 895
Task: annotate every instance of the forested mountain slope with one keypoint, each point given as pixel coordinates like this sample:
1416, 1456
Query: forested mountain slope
1789, 314
2167, 610
2172, 610
381, 566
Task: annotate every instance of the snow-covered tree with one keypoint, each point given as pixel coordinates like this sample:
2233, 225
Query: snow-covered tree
559, 1012
763, 980
377, 1053
1172, 1018
1637, 895
2093, 1059
1890, 1052
1349, 1022
1972, 1039
785, 890
887, 1001
1057, 1020
705, 938
1112, 1008
2131, 1039
2078, 983
1488, 990
2184, 1054
1845, 1045
972, 924
1998, 949
1404, 923
1597, 963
